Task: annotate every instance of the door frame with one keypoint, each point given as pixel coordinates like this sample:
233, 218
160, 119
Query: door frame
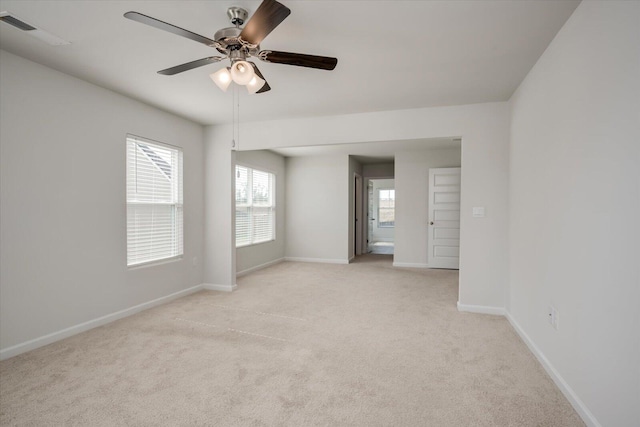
357, 220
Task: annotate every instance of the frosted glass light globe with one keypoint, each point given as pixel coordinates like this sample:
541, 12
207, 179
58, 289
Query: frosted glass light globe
222, 78
242, 72
255, 85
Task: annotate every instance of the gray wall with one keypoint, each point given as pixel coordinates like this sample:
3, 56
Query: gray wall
412, 201
63, 206
250, 257
317, 192
574, 209
484, 129
219, 208
378, 170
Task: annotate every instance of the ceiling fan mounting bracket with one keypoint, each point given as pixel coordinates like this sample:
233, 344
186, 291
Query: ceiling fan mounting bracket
237, 15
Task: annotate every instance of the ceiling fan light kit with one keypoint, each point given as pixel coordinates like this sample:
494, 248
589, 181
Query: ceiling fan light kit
222, 78
238, 44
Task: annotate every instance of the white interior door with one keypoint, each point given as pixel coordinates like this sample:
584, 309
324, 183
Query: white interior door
444, 218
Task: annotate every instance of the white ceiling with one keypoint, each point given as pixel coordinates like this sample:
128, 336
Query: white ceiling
391, 54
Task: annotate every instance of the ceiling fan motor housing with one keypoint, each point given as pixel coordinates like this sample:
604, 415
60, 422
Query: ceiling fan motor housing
229, 42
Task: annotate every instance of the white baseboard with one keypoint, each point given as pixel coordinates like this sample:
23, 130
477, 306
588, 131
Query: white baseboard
582, 410
85, 326
568, 392
322, 260
410, 264
481, 309
259, 267
223, 288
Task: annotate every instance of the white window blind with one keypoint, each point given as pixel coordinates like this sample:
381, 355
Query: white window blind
154, 201
386, 208
255, 206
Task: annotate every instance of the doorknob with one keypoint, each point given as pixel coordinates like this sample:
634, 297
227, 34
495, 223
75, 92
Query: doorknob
431, 223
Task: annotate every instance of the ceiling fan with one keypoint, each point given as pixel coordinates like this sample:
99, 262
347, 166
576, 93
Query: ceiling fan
238, 44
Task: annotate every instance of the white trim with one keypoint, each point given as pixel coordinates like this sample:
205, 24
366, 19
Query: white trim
351, 259
321, 260
482, 309
155, 262
410, 264
246, 245
586, 415
223, 288
85, 326
259, 267
582, 410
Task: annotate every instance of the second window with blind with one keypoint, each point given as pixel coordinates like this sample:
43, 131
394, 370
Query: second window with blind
154, 201
255, 206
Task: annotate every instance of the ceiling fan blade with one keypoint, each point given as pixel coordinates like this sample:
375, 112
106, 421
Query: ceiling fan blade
139, 17
268, 16
299, 59
190, 65
265, 87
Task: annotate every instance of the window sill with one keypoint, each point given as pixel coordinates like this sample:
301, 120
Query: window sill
248, 245
155, 262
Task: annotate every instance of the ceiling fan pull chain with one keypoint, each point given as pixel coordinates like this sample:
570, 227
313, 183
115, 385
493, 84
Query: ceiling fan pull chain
235, 129
233, 119
238, 117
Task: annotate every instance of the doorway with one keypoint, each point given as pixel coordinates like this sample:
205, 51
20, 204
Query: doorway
381, 216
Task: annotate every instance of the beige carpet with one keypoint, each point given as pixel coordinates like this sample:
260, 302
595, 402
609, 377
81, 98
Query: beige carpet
297, 344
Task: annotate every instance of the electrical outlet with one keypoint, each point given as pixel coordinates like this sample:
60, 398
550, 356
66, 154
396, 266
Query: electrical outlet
553, 317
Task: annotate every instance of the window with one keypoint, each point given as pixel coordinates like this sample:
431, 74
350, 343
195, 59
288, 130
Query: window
154, 201
255, 206
386, 208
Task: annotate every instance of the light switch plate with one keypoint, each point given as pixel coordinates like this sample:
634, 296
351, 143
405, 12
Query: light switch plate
478, 212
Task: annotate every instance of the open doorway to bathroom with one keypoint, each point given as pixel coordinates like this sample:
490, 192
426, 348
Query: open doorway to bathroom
380, 216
